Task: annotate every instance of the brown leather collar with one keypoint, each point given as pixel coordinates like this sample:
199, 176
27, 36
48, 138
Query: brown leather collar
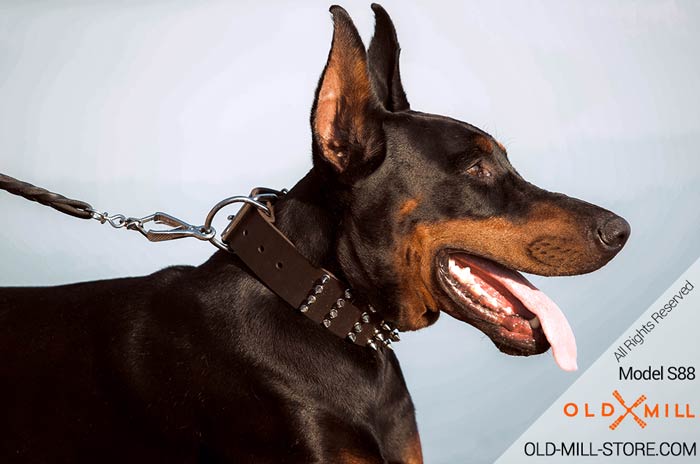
312, 291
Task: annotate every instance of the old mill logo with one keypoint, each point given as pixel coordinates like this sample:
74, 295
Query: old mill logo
640, 410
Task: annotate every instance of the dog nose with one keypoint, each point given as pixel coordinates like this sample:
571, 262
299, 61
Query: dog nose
614, 232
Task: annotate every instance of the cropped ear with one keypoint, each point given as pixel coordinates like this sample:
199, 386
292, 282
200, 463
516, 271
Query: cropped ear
346, 115
383, 54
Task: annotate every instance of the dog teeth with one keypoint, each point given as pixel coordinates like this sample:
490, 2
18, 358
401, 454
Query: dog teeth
464, 282
535, 323
463, 275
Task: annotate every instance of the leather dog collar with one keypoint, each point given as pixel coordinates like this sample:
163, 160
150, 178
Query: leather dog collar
312, 291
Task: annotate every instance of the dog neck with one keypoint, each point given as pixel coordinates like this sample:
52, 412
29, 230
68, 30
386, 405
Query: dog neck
309, 218
302, 275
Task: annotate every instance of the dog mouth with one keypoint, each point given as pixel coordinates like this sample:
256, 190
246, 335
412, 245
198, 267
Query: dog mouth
520, 319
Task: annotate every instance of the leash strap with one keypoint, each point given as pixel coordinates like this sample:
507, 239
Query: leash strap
75, 208
313, 291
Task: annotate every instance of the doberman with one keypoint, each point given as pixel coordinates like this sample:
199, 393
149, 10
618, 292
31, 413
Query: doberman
417, 212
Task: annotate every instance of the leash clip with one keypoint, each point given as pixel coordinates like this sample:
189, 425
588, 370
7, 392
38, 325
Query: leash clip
260, 197
180, 228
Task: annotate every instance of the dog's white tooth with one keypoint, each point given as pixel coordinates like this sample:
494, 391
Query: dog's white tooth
465, 277
534, 323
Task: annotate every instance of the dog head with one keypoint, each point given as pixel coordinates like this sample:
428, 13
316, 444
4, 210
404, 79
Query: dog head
434, 216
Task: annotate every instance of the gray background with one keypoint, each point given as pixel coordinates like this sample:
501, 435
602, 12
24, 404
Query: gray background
144, 106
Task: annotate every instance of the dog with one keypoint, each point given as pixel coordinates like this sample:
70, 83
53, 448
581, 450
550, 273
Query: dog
418, 213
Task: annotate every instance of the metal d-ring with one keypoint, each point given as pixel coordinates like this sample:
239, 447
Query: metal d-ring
255, 200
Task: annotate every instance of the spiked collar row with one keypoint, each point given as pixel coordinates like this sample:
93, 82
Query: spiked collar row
312, 291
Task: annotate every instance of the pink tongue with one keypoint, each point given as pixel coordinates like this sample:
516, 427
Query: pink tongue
556, 327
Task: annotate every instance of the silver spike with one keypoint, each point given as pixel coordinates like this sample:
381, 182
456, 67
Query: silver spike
386, 326
348, 294
326, 323
380, 337
333, 313
387, 344
340, 302
371, 309
365, 318
318, 289
352, 337
325, 278
395, 336
303, 308
372, 345
357, 327
311, 300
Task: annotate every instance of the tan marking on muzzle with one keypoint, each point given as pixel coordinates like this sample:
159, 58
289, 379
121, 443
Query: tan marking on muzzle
548, 241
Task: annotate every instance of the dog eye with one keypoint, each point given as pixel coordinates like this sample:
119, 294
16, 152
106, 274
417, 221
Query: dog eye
478, 170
